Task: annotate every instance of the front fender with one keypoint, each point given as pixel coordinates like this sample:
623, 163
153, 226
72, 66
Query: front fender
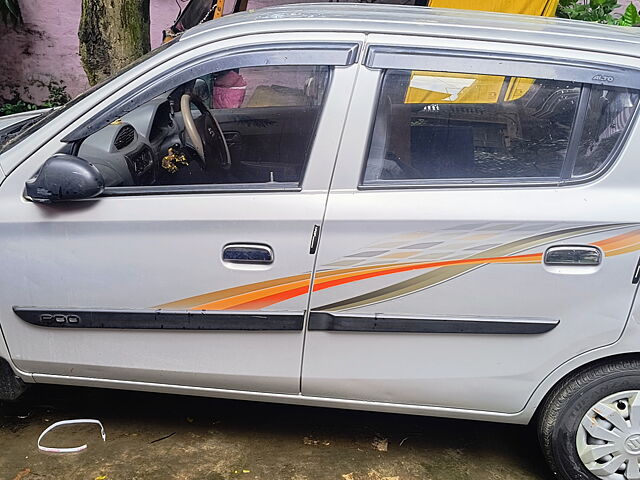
9, 373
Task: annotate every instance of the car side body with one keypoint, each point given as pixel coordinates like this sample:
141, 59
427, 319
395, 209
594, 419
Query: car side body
411, 296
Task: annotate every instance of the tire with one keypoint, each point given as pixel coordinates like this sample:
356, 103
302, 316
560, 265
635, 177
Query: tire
559, 421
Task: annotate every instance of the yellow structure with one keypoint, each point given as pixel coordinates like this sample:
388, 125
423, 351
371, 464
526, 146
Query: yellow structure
545, 8
447, 87
440, 87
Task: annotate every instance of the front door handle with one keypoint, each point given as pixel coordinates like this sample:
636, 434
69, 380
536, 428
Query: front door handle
573, 255
247, 253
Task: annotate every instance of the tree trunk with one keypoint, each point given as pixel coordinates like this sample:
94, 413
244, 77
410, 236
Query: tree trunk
112, 34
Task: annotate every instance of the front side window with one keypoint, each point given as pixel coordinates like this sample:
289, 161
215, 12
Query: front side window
252, 125
440, 127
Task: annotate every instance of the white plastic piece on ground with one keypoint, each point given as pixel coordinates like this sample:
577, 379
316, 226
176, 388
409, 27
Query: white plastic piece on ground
69, 449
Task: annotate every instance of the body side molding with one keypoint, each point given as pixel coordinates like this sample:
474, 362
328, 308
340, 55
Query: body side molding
335, 322
158, 319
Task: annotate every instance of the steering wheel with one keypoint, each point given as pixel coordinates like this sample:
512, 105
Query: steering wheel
204, 132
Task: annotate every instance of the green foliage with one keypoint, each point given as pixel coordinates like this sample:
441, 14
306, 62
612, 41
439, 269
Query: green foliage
599, 11
16, 105
630, 17
10, 12
58, 96
588, 10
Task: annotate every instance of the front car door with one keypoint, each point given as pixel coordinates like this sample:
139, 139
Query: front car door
163, 279
477, 236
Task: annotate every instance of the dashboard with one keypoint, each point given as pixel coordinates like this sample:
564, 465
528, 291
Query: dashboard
129, 151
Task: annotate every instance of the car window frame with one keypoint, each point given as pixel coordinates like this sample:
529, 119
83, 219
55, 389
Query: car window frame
384, 58
312, 53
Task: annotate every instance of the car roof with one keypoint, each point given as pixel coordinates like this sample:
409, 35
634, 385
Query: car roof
426, 21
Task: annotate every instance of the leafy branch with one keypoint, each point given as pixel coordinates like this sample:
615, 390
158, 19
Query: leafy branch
599, 11
630, 17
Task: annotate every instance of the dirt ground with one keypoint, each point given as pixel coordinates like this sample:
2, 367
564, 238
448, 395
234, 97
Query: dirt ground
156, 437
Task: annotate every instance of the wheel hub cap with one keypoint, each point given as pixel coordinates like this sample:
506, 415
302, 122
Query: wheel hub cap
608, 439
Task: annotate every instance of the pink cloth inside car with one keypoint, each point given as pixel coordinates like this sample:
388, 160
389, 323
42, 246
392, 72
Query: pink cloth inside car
229, 91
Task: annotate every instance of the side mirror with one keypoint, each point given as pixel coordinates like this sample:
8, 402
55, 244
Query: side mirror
201, 89
64, 177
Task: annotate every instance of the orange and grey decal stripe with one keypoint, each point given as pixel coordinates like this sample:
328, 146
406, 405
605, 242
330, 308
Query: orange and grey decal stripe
263, 294
496, 255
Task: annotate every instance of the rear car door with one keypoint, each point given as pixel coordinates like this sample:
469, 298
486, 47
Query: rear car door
477, 235
171, 282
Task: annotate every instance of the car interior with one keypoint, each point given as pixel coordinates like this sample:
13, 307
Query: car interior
487, 137
249, 125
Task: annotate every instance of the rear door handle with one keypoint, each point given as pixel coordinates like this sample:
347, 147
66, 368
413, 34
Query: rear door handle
251, 253
573, 255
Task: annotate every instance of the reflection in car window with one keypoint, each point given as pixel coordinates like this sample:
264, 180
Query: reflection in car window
273, 86
608, 114
439, 126
252, 125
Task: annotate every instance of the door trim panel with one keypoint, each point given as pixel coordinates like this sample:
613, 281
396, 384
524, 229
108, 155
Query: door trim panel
327, 321
158, 319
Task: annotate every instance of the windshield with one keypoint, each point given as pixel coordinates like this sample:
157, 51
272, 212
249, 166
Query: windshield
33, 124
13, 130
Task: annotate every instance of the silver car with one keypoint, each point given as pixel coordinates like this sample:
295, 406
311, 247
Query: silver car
371, 207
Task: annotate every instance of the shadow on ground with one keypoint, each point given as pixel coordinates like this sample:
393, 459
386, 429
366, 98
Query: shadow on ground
154, 436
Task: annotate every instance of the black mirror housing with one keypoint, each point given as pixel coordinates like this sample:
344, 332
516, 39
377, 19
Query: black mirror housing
63, 178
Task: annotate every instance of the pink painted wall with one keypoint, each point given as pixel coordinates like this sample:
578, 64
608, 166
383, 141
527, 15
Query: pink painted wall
46, 47
623, 4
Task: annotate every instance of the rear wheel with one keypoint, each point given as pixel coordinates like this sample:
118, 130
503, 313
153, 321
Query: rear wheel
589, 426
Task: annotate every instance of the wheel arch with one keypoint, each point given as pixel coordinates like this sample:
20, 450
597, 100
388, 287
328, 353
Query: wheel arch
546, 391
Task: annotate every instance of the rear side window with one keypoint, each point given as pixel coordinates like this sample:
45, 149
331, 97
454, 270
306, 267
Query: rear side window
608, 114
443, 127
